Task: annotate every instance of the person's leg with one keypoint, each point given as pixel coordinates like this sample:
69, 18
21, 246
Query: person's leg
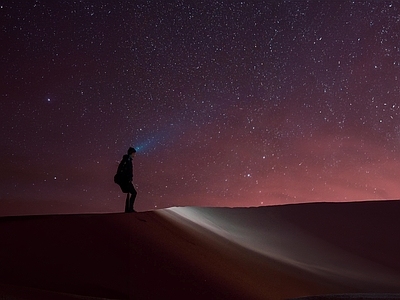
127, 203
133, 193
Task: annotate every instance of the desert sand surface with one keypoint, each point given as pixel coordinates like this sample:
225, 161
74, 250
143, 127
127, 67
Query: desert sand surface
277, 252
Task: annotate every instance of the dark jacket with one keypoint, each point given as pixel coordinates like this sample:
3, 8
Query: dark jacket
125, 170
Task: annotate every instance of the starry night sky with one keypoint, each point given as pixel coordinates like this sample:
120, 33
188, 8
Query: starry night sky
229, 103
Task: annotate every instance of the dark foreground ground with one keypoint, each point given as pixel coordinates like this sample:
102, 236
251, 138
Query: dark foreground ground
149, 256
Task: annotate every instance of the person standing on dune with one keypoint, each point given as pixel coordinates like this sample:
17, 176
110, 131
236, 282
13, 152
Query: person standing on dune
124, 179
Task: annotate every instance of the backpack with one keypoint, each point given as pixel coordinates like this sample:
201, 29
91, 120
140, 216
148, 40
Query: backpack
122, 173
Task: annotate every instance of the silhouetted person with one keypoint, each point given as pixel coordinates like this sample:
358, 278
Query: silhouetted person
124, 178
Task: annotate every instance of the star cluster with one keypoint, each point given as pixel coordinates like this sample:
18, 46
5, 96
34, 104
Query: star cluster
229, 103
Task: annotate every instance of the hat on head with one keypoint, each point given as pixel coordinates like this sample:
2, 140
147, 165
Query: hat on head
131, 150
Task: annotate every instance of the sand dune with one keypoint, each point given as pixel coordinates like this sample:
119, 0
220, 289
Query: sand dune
277, 252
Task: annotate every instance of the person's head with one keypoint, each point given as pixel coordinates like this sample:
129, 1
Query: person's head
131, 152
